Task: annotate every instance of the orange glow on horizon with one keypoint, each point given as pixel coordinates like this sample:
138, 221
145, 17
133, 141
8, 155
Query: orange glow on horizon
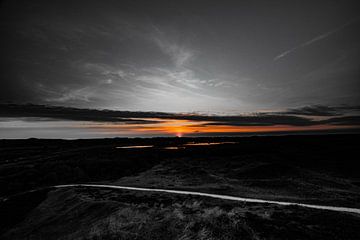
181, 128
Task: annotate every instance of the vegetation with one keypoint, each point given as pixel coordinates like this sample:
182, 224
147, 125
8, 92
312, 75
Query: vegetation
317, 169
95, 214
314, 169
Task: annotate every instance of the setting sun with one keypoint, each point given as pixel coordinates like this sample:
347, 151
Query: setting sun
179, 134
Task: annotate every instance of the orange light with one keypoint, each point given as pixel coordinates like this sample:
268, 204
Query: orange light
179, 128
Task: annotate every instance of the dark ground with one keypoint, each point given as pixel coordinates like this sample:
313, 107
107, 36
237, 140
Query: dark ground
311, 169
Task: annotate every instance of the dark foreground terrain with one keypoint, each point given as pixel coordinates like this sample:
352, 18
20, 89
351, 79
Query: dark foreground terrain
308, 169
91, 214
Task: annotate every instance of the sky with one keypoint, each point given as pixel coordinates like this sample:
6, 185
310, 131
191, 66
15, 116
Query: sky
198, 58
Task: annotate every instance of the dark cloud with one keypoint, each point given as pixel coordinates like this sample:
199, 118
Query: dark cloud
316, 110
346, 120
263, 120
321, 110
77, 114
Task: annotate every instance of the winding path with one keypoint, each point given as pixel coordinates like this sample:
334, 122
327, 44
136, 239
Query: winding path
226, 197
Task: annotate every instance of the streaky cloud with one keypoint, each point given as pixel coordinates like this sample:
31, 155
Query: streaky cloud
315, 39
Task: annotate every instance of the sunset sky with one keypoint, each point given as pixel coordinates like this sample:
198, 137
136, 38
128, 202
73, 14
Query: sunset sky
178, 68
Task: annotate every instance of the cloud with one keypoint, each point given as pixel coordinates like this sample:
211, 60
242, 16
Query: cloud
75, 114
314, 110
255, 119
179, 53
345, 120
163, 57
321, 110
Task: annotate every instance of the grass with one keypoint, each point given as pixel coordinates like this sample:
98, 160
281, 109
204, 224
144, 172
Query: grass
317, 169
95, 214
